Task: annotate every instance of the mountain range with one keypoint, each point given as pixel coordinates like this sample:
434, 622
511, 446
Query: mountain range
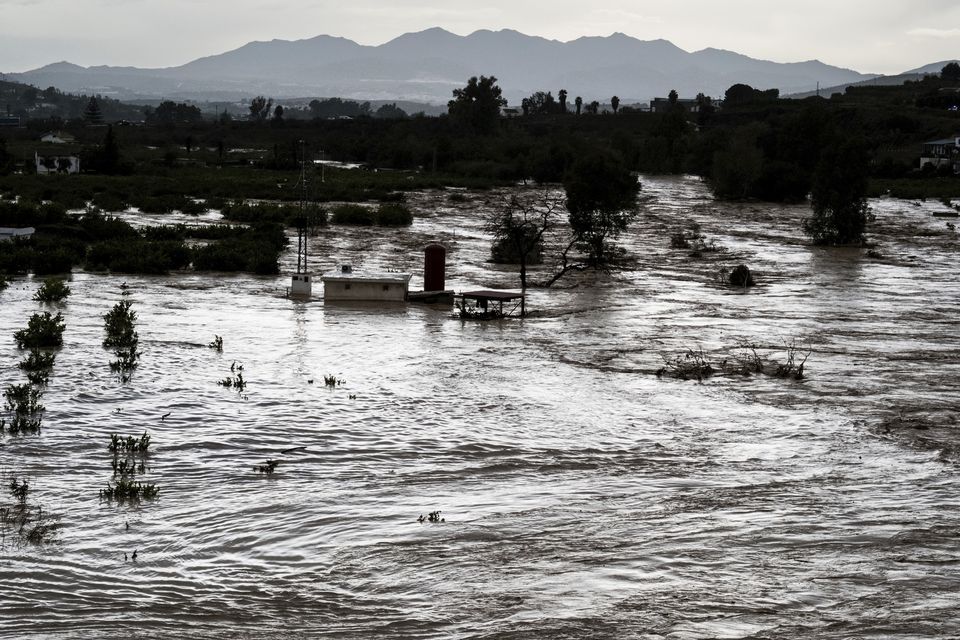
426, 66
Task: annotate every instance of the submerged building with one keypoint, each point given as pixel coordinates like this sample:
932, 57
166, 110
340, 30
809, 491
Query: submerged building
347, 285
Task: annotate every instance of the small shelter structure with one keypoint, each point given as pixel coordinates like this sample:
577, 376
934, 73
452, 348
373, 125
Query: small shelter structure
487, 304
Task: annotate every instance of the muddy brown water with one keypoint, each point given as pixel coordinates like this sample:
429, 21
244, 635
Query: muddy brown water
583, 497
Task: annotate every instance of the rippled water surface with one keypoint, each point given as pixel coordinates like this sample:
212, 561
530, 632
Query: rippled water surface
583, 496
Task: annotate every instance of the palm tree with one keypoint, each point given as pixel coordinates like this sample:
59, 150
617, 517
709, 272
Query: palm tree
579, 102
615, 103
562, 94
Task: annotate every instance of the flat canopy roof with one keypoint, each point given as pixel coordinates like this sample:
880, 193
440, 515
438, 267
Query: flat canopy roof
491, 294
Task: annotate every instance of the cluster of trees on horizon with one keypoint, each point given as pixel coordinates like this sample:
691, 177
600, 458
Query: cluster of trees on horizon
750, 144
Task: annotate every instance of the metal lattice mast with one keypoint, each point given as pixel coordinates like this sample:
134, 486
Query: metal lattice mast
302, 217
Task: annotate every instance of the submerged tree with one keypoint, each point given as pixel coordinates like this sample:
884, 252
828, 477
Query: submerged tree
838, 196
600, 200
519, 227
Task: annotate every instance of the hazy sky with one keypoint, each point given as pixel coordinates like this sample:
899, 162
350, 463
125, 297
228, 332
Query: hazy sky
879, 36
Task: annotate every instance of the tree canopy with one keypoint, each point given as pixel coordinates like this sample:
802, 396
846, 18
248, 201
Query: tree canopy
838, 197
601, 199
477, 105
950, 71
261, 108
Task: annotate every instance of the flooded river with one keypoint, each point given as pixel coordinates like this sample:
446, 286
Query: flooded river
582, 496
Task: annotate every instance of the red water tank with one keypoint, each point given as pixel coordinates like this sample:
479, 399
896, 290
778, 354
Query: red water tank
434, 267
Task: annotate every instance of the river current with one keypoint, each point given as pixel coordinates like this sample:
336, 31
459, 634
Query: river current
582, 496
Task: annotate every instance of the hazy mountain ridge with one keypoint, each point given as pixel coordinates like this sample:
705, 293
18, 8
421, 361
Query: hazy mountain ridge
428, 65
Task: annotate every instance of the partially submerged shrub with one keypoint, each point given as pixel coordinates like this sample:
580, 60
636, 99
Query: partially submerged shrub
355, 214
740, 276
38, 360
693, 239
268, 467
129, 444
392, 214
121, 335
22, 521
691, 365
22, 402
52, 290
751, 359
235, 379
4, 282
217, 344
127, 462
43, 330
256, 249
129, 489
119, 326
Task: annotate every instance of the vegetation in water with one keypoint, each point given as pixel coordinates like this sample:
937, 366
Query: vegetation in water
217, 344
690, 365
267, 467
129, 444
23, 409
126, 488
127, 463
43, 331
332, 380
740, 276
749, 358
21, 521
235, 379
354, 214
433, 516
119, 326
122, 337
52, 290
752, 358
38, 360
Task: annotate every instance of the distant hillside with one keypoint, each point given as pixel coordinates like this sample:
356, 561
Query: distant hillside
426, 66
29, 102
878, 81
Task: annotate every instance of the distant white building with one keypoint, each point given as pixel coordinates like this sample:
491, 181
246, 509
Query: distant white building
57, 137
345, 285
49, 163
939, 153
7, 234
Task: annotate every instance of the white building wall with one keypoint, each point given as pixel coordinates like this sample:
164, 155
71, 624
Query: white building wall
357, 290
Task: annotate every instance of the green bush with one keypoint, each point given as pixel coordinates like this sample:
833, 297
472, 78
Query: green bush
138, 256
256, 249
118, 323
43, 330
37, 360
52, 290
111, 202
394, 215
354, 214
101, 227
